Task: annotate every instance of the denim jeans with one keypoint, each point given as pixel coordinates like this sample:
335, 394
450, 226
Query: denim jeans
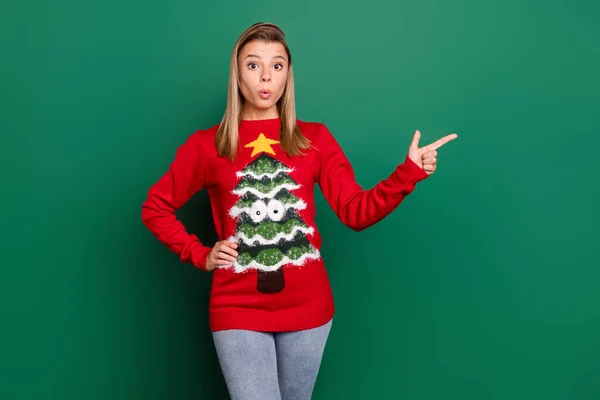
271, 366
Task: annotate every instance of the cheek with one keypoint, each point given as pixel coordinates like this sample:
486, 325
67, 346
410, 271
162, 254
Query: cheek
244, 81
247, 74
281, 83
243, 78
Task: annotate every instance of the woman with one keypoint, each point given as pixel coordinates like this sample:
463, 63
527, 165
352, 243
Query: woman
271, 305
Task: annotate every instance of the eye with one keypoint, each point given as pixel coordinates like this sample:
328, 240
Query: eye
258, 211
275, 210
252, 65
278, 66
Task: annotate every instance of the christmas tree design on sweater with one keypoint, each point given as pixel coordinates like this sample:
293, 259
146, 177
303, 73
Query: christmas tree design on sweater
269, 230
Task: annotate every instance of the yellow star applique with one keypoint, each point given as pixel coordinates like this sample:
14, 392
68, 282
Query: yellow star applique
262, 144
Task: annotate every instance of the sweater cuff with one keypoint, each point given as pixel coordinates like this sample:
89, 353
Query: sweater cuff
198, 255
410, 173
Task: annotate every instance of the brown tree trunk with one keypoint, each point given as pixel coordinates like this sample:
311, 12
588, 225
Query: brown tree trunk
271, 281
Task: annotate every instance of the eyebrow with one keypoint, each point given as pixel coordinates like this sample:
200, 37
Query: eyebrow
254, 55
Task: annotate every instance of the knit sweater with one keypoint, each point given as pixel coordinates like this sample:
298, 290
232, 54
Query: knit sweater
264, 201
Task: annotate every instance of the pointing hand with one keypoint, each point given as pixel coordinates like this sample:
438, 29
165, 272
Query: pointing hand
426, 157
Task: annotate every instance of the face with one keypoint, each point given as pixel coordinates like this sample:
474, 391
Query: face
263, 74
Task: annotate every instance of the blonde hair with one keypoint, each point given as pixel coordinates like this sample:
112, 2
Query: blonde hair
292, 141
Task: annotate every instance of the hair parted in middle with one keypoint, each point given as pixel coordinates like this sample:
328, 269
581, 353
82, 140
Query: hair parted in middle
291, 139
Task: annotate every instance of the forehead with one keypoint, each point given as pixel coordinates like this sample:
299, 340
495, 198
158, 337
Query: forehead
263, 49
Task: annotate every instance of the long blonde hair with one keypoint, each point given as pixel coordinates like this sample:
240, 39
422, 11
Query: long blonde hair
292, 141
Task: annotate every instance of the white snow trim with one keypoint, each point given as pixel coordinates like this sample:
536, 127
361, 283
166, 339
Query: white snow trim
251, 174
277, 238
270, 195
237, 268
235, 211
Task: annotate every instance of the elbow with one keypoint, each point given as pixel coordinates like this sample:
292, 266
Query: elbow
156, 212
360, 223
359, 228
355, 225
149, 211
353, 220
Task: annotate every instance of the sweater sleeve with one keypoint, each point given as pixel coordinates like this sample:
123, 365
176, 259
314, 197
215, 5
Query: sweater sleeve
185, 177
356, 207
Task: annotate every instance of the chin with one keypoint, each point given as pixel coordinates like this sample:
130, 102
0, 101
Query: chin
264, 105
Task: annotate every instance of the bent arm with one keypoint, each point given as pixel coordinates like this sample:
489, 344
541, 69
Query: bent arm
185, 177
356, 207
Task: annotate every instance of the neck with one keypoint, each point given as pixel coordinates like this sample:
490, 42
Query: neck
250, 113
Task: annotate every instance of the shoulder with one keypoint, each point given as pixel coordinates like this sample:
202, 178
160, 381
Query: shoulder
201, 137
321, 138
197, 144
310, 126
315, 131
206, 134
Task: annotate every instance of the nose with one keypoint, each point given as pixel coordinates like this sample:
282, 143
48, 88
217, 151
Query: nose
265, 77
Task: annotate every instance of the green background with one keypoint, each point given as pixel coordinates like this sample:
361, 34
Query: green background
483, 284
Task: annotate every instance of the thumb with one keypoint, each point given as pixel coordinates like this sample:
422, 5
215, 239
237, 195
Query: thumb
415, 142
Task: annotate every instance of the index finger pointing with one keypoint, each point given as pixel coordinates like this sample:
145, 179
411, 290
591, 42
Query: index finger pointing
440, 142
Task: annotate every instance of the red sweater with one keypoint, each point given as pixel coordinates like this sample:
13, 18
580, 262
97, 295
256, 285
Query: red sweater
264, 201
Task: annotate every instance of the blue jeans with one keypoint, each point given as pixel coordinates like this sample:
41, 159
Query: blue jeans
271, 366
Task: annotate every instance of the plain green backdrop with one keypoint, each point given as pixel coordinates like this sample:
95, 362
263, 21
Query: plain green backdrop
483, 284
